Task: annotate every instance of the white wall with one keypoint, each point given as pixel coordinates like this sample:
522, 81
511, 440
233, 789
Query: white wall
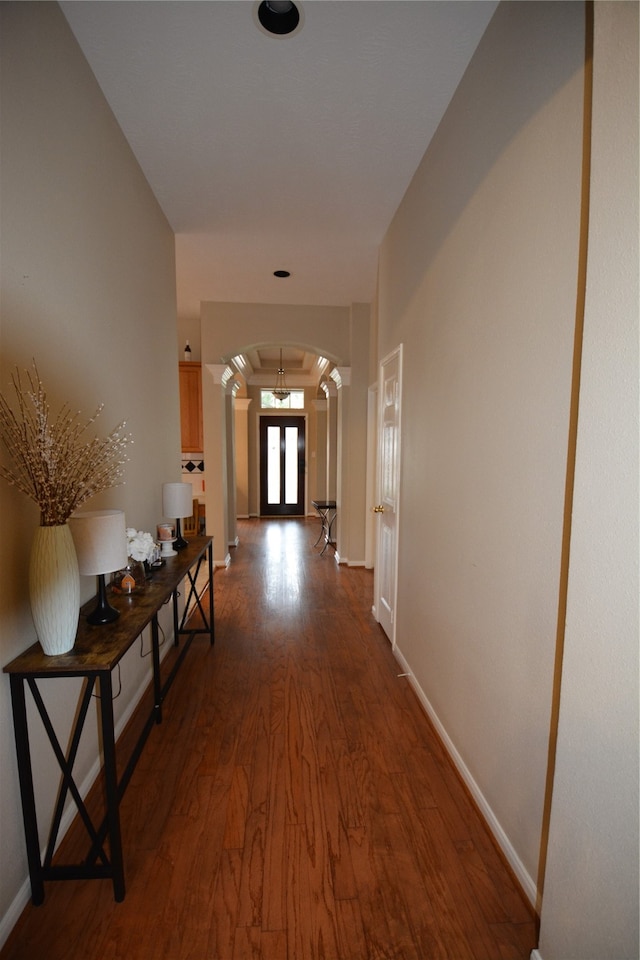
478, 280
354, 508
590, 904
88, 290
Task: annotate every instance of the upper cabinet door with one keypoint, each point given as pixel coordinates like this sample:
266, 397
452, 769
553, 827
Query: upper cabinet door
191, 407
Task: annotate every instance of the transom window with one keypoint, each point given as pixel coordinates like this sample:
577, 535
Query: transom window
295, 401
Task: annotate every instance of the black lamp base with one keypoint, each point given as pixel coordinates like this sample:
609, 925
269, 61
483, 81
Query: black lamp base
103, 612
180, 543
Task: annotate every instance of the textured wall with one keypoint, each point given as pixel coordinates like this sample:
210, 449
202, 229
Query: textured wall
88, 290
591, 904
478, 280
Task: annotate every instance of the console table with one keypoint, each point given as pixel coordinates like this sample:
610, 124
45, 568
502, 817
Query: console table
327, 511
97, 650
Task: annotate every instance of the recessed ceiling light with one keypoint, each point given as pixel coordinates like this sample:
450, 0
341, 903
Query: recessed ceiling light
281, 273
278, 17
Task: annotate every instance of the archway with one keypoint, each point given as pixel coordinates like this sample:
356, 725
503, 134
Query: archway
339, 334
257, 416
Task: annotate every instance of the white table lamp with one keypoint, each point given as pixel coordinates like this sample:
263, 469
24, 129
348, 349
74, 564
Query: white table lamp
177, 503
100, 538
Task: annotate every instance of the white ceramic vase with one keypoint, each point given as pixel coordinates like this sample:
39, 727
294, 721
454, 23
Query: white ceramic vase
54, 588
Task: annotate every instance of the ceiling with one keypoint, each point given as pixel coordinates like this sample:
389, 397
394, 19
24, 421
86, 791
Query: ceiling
278, 152
260, 366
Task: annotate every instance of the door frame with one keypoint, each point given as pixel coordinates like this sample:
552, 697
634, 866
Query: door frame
394, 355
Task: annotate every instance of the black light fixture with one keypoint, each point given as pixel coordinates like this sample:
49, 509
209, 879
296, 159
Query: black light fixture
279, 17
280, 391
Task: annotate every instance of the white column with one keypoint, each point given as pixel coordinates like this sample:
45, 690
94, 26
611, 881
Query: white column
215, 457
231, 387
337, 454
241, 420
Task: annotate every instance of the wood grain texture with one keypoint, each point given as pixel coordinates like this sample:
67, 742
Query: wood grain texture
101, 647
295, 803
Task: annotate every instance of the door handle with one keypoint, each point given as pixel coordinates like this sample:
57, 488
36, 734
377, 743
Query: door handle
378, 509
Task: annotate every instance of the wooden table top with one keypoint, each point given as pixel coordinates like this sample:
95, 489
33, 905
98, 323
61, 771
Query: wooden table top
99, 648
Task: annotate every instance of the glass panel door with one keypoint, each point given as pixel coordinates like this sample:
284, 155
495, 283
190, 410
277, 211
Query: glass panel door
273, 465
291, 465
282, 466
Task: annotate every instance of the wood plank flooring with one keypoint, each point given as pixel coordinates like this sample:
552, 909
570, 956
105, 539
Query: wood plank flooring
295, 803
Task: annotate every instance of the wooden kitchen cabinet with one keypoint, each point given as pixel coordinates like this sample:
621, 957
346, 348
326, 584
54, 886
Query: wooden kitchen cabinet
191, 407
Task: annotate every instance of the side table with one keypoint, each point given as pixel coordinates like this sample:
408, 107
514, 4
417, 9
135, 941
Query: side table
327, 511
97, 650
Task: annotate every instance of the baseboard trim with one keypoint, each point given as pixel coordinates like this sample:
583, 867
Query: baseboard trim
14, 912
345, 561
524, 879
536, 955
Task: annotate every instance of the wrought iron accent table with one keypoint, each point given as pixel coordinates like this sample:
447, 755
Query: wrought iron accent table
97, 650
327, 511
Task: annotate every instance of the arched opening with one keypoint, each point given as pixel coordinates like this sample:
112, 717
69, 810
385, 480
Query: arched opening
285, 447
335, 408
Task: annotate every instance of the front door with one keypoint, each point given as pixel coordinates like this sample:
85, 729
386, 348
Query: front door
386, 568
282, 466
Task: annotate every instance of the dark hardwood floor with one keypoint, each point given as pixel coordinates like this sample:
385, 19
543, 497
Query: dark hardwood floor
295, 803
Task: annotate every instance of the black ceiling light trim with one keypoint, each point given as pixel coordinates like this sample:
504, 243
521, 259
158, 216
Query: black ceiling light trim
279, 17
281, 273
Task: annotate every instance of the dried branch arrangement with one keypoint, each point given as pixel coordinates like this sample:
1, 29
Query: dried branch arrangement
54, 463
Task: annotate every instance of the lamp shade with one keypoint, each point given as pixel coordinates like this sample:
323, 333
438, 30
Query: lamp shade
100, 538
177, 500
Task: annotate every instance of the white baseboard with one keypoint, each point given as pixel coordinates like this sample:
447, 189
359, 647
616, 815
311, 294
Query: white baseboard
536, 955
14, 912
526, 881
340, 558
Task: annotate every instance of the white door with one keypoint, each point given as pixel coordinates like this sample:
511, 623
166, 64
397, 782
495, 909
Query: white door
386, 509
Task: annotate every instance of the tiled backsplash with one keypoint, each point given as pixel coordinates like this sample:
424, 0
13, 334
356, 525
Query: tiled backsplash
193, 472
192, 463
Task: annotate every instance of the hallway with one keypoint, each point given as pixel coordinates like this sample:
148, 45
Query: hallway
295, 803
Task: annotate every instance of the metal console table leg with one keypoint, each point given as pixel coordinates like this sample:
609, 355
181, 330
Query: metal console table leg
327, 511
